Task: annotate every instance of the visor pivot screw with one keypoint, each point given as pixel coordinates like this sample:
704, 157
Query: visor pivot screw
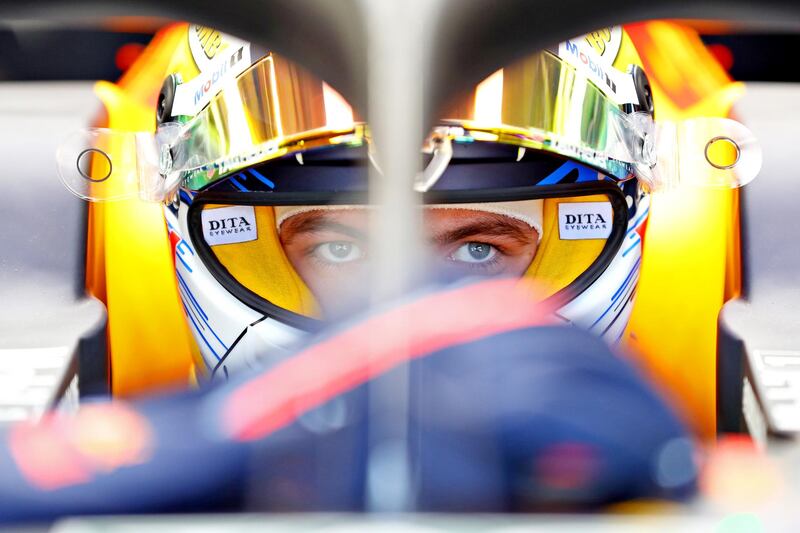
94, 165
722, 153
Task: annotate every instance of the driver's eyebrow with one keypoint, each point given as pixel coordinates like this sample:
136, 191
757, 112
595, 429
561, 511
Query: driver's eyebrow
491, 226
316, 222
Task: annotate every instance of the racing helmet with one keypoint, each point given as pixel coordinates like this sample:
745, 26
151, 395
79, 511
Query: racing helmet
540, 156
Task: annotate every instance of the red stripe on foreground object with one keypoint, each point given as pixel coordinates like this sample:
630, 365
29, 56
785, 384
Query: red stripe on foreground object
377, 345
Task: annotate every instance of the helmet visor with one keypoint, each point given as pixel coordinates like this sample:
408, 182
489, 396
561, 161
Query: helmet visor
266, 111
276, 108
540, 102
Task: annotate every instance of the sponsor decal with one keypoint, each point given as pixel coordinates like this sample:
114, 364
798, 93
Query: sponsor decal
229, 225
212, 80
194, 95
595, 66
616, 84
206, 44
584, 220
605, 43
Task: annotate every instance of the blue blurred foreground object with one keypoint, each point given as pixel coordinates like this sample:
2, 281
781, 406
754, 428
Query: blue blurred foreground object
506, 412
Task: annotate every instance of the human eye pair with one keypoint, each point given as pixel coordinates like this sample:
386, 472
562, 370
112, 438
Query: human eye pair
340, 252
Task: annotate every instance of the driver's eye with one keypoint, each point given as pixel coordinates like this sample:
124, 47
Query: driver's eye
338, 252
474, 252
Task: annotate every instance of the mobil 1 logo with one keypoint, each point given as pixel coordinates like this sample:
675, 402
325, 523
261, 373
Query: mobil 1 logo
584, 220
229, 225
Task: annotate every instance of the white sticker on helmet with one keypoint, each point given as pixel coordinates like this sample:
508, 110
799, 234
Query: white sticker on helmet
606, 42
206, 44
584, 220
614, 83
195, 94
229, 225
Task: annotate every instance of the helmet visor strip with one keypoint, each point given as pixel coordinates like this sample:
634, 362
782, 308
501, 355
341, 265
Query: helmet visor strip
546, 104
276, 108
472, 166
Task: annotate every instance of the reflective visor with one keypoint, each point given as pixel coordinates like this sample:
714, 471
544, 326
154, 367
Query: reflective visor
273, 107
543, 102
276, 108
